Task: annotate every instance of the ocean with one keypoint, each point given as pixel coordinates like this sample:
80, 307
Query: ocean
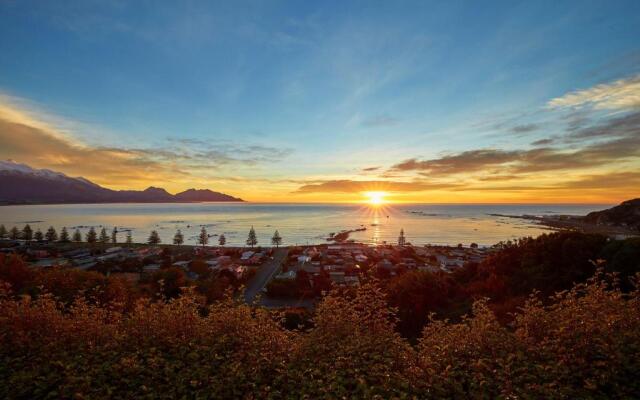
297, 223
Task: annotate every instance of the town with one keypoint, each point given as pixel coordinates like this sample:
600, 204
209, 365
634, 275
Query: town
277, 276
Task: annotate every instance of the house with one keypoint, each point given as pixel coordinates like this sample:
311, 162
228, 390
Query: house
311, 268
361, 258
224, 260
429, 268
181, 264
50, 262
78, 253
151, 268
289, 275
237, 270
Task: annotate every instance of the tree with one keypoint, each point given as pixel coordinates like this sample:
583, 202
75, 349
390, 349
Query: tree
154, 238
401, 239
77, 236
104, 237
51, 234
38, 236
252, 240
178, 238
27, 233
3, 232
64, 235
14, 233
114, 235
92, 237
276, 240
129, 239
222, 240
203, 238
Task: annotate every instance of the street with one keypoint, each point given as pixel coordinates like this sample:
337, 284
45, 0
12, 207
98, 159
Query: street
264, 274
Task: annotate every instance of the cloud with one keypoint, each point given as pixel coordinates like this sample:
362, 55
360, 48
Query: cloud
467, 161
619, 95
32, 140
526, 128
627, 179
370, 169
542, 142
351, 186
627, 125
615, 140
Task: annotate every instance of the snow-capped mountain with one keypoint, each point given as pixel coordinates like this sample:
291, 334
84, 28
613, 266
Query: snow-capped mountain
22, 184
11, 166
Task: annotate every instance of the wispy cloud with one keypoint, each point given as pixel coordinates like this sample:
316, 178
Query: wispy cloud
619, 95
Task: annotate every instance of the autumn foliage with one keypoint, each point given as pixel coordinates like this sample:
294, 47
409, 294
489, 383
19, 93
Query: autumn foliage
581, 343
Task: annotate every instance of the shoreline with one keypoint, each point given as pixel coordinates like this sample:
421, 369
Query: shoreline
573, 222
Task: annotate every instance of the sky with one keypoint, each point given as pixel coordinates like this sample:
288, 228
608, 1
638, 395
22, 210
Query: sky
432, 102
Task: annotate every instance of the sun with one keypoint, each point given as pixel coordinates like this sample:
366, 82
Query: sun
375, 198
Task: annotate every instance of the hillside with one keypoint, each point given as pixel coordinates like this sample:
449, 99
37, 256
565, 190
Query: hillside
626, 214
21, 184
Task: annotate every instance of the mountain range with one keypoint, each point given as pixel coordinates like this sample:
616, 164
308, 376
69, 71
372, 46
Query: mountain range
22, 184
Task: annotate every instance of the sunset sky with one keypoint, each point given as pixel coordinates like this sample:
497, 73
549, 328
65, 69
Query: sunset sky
447, 102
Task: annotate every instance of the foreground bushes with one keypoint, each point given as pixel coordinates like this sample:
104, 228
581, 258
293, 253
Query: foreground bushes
585, 344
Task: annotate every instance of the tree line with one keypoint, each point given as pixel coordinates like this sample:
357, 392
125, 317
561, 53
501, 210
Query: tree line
51, 235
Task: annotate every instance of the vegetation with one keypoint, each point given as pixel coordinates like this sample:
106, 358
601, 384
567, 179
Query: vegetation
401, 239
203, 238
222, 240
77, 236
252, 240
27, 233
3, 231
51, 234
178, 238
91, 235
64, 235
77, 334
548, 263
104, 237
276, 240
114, 235
154, 238
38, 236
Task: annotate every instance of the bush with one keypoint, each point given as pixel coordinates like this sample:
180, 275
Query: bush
581, 343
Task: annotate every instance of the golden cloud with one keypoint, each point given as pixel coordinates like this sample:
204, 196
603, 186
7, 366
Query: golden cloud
619, 95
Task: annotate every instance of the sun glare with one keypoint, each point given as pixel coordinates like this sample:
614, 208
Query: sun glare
375, 198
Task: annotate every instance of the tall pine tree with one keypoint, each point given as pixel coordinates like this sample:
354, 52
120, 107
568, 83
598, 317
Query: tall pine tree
276, 240
252, 240
203, 238
51, 234
64, 235
178, 238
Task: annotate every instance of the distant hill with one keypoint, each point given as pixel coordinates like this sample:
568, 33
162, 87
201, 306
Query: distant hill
21, 184
626, 214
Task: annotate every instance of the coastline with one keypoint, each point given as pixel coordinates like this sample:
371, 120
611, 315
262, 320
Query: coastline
574, 222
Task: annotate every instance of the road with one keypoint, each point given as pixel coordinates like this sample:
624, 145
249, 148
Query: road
264, 274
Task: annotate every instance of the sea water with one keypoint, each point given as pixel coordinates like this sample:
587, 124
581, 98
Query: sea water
297, 223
